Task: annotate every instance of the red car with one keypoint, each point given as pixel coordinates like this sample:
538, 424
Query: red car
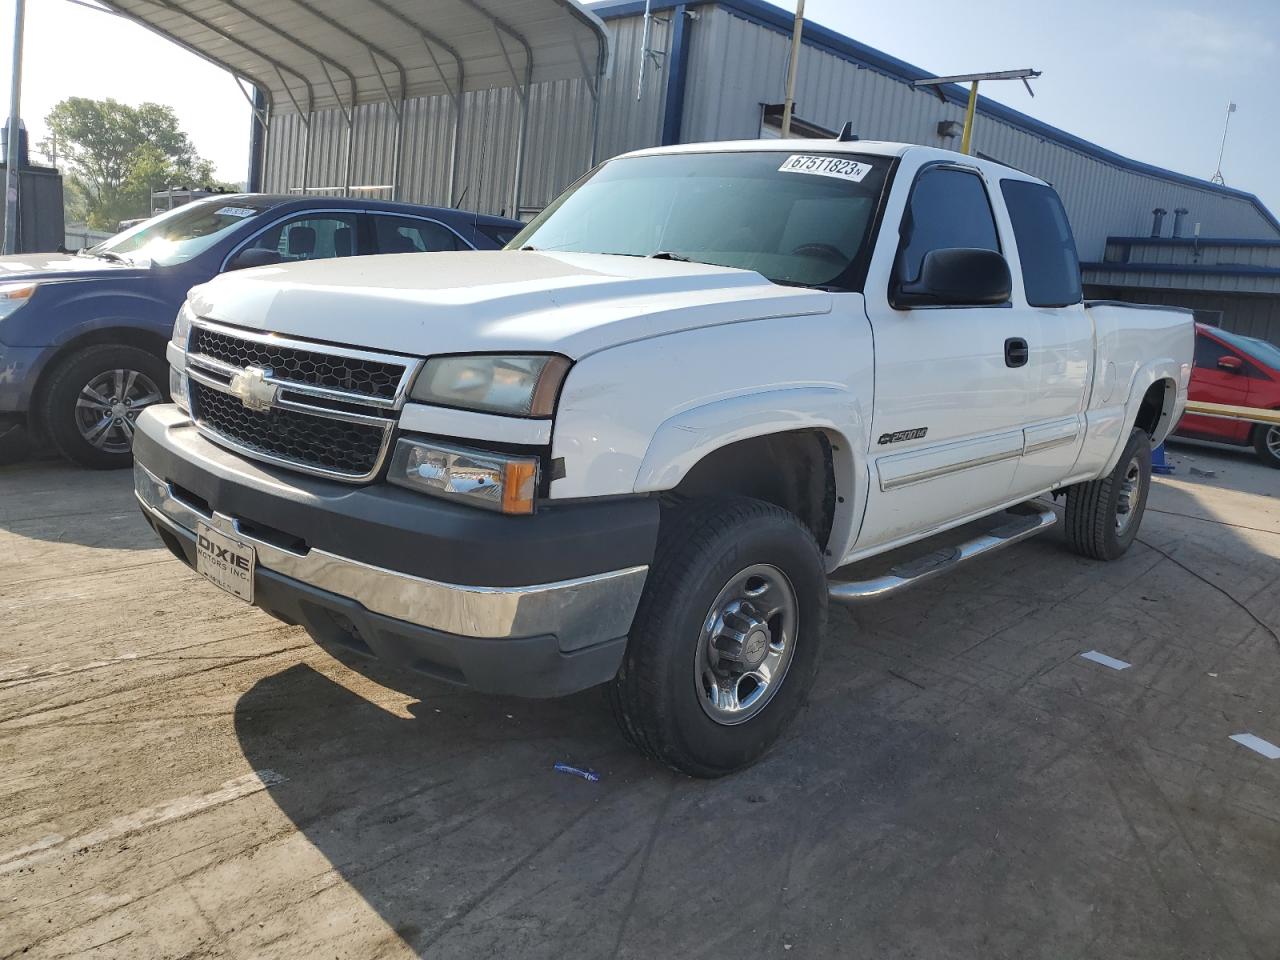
1239, 370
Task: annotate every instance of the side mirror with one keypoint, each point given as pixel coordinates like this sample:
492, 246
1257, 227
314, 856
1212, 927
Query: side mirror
960, 276
1230, 364
254, 257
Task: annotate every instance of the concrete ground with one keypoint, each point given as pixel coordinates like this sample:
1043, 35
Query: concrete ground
184, 777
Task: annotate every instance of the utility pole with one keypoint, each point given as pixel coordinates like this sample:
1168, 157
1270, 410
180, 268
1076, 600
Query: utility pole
15, 103
1217, 174
789, 100
966, 140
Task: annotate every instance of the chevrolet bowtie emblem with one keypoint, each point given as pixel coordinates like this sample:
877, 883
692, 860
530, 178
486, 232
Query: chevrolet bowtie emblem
252, 388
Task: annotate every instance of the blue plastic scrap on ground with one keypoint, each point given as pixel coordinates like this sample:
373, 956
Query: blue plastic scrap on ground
584, 774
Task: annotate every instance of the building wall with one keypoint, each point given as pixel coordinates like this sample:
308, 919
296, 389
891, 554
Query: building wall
557, 152
737, 64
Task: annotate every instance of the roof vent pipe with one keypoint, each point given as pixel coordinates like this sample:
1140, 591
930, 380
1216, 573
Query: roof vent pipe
1177, 220
1157, 220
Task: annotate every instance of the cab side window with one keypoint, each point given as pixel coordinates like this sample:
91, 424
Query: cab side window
1046, 246
948, 208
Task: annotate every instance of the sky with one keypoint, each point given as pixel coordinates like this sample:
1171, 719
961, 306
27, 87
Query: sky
1149, 79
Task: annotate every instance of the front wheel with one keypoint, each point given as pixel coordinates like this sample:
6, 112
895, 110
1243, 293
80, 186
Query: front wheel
725, 643
1266, 441
1103, 516
93, 399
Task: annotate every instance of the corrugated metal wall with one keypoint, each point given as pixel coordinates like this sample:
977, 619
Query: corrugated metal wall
735, 65
558, 149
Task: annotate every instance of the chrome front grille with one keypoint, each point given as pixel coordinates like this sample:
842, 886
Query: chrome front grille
313, 407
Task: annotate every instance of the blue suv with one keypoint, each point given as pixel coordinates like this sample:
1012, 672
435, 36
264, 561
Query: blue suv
82, 336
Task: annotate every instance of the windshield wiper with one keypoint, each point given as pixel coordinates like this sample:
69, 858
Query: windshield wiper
669, 255
109, 255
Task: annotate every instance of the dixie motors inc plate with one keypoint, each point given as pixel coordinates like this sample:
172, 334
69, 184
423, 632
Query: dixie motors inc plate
226, 562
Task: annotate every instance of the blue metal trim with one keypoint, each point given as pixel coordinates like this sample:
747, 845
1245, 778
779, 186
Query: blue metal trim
1191, 241
846, 48
678, 60
1218, 269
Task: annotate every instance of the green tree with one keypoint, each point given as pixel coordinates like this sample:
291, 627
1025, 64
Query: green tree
115, 155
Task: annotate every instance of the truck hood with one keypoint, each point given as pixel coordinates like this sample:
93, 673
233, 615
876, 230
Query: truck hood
429, 303
63, 266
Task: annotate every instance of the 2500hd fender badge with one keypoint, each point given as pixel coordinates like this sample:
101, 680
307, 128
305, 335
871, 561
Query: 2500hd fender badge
898, 436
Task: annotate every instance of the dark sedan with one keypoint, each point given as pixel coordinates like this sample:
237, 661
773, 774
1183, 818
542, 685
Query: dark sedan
82, 336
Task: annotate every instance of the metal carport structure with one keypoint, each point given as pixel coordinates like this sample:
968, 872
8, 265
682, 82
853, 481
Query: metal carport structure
305, 56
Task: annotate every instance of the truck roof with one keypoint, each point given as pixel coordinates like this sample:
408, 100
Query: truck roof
875, 148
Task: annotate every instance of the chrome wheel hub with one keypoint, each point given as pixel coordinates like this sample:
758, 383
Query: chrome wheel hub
747, 643
1273, 442
1130, 495
109, 404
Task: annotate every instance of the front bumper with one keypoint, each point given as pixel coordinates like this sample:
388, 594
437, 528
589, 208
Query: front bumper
517, 634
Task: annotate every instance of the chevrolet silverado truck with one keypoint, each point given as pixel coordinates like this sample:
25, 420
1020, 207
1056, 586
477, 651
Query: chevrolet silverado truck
650, 441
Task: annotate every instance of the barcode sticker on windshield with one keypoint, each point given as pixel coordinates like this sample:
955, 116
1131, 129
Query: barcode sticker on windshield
837, 167
235, 212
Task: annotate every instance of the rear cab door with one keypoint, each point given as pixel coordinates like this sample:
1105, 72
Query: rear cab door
1047, 292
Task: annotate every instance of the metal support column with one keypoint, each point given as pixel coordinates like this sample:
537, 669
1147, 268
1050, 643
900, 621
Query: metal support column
15, 108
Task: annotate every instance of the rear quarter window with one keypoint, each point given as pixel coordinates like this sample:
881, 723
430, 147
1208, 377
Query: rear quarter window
1046, 246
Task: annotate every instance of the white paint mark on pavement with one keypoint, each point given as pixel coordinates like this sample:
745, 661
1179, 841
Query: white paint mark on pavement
53, 844
1106, 661
1258, 745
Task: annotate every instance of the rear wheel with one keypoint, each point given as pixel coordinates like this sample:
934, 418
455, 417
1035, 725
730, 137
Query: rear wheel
725, 642
1103, 515
1266, 440
94, 398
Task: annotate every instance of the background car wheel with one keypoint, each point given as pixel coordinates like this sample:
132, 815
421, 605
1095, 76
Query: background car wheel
1266, 440
93, 399
1103, 515
725, 642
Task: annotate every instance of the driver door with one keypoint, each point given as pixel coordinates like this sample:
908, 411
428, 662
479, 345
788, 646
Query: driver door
950, 397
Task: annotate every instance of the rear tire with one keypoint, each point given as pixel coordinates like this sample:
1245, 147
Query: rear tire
93, 398
712, 673
1266, 440
1103, 515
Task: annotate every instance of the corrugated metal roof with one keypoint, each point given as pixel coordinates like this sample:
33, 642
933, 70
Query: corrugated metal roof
308, 55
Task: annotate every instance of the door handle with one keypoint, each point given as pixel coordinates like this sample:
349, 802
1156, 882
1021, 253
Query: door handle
1016, 352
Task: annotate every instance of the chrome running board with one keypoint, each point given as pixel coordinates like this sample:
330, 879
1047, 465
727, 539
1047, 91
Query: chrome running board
910, 572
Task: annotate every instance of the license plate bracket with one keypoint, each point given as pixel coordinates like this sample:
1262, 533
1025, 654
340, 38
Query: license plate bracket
225, 562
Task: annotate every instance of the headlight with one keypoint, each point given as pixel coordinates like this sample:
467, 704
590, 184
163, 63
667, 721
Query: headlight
521, 385
490, 480
14, 296
182, 326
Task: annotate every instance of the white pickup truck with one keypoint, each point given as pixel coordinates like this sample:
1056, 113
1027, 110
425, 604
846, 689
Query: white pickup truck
638, 446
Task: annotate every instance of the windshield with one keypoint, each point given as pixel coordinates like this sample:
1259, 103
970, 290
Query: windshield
182, 233
1261, 350
795, 218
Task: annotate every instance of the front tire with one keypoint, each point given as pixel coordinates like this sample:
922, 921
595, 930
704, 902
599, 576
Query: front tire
1266, 440
93, 399
1103, 515
725, 643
